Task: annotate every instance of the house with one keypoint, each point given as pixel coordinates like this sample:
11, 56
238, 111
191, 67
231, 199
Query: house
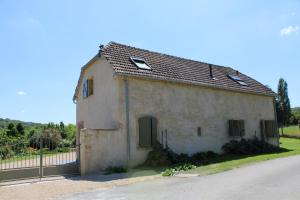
127, 99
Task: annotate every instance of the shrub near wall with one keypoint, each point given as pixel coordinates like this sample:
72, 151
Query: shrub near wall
182, 162
250, 146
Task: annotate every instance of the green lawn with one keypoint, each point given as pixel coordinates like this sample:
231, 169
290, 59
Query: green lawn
228, 162
291, 130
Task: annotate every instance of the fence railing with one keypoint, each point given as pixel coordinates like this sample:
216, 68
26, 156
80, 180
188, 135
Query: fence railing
42, 152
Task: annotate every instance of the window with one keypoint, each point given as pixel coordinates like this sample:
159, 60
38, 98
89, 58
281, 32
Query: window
140, 63
236, 128
237, 79
88, 88
199, 132
147, 131
268, 128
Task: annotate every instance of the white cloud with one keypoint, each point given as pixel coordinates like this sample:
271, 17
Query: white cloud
21, 93
289, 30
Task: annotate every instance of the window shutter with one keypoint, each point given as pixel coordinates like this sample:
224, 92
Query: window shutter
241, 127
270, 128
91, 87
153, 131
145, 132
84, 89
231, 128
262, 130
236, 128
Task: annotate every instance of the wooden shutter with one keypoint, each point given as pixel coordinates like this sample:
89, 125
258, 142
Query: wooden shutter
153, 131
145, 132
241, 127
90, 87
262, 130
231, 128
236, 128
270, 128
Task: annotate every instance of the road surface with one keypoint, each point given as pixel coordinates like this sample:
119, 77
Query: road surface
271, 180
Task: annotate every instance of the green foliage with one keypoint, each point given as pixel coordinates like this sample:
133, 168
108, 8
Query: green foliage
180, 162
20, 129
283, 107
158, 157
295, 116
11, 130
247, 147
115, 170
175, 170
20, 138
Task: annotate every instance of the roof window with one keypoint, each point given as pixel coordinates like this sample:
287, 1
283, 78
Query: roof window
140, 63
237, 79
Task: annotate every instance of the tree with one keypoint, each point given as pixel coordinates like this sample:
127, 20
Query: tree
20, 129
283, 106
62, 130
295, 116
11, 130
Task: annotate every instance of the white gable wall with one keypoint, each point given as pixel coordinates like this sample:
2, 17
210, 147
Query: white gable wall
100, 110
180, 109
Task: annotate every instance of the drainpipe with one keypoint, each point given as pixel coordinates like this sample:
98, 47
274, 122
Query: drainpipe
276, 122
127, 119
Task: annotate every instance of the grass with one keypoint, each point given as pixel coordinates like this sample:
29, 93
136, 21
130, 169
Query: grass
291, 130
228, 162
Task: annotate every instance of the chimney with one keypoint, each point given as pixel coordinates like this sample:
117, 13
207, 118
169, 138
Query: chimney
210, 71
100, 49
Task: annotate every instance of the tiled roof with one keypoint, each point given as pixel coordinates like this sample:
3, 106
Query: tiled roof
175, 69
172, 68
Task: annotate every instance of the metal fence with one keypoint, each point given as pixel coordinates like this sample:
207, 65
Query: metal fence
38, 158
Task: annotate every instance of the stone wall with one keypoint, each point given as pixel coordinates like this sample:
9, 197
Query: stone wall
100, 149
180, 109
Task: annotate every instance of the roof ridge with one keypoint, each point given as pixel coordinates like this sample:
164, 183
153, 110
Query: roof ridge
165, 54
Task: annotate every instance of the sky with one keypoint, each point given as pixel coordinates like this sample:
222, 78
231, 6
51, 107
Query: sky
44, 43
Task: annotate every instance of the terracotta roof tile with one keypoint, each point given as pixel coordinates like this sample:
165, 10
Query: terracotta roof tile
172, 68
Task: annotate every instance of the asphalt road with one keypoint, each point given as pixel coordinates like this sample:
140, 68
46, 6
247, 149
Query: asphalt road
270, 180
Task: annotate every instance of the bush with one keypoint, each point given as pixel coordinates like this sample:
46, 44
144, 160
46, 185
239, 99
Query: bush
6, 152
250, 146
158, 157
174, 170
64, 143
115, 170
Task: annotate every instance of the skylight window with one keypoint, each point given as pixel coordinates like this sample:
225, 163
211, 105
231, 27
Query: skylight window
140, 63
237, 79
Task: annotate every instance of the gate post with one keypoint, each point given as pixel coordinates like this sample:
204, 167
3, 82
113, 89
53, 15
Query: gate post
41, 157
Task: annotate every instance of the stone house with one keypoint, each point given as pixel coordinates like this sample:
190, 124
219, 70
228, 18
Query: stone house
129, 98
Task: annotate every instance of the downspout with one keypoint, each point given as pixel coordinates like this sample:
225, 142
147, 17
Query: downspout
276, 122
127, 119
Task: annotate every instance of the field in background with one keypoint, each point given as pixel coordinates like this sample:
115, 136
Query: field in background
291, 131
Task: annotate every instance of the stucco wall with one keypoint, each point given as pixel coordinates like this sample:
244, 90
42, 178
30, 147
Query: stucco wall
102, 141
100, 149
100, 110
180, 109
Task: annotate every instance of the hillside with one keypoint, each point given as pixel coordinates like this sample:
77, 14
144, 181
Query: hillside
4, 123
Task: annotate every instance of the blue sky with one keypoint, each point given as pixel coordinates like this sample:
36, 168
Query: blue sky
44, 44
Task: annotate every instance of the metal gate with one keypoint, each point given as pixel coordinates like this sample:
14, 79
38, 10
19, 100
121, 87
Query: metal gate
38, 159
